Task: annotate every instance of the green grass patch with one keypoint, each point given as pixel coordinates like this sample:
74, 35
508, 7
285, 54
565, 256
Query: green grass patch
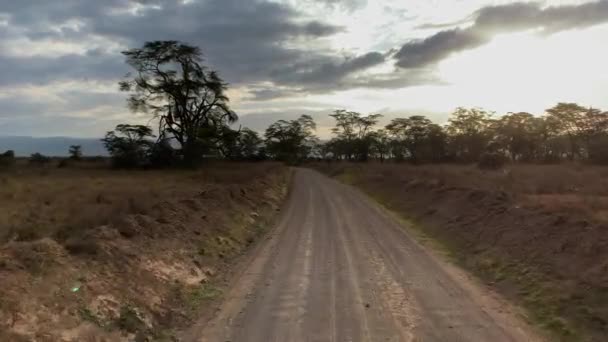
201, 294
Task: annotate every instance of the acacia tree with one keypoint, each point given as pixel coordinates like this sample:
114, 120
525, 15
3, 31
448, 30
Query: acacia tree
381, 141
75, 152
240, 144
291, 141
469, 133
568, 119
353, 134
419, 137
173, 85
129, 145
516, 134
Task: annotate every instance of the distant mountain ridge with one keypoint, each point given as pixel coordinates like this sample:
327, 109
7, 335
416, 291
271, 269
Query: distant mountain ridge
50, 146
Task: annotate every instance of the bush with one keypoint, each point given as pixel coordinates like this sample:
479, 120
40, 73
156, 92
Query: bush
491, 161
7, 159
39, 159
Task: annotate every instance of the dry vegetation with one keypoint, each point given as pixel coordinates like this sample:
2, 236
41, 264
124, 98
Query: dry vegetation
538, 233
100, 255
49, 202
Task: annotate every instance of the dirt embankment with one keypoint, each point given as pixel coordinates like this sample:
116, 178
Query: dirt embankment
141, 275
536, 233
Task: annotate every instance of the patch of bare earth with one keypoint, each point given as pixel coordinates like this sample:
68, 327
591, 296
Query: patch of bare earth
141, 274
537, 233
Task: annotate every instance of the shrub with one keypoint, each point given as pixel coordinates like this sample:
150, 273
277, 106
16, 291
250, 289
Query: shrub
7, 159
491, 161
39, 159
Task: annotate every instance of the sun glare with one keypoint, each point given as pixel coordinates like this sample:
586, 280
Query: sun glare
526, 71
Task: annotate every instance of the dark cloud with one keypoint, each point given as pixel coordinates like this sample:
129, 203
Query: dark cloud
398, 79
344, 4
326, 70
244, 40
247, 41
60, 125
43, 70
492, 20
272, 92
437, 47
342, 76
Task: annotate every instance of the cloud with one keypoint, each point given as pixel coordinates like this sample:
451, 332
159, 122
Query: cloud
244, 40
350, 5
493, 20
250, 42
93, 65
437, 47
326, 70
341, 76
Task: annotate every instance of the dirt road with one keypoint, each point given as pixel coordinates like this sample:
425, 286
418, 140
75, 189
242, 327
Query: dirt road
339, 268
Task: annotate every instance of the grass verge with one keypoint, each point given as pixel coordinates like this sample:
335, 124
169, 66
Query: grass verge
538, 295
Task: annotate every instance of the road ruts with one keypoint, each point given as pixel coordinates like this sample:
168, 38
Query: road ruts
339, 268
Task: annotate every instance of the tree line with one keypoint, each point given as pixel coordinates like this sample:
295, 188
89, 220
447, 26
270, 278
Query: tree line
566, 131
171, 84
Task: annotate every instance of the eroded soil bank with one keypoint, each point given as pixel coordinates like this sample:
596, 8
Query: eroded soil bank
145, 275
551, 259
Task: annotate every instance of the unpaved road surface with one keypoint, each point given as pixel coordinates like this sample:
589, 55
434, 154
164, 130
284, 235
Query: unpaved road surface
339, 268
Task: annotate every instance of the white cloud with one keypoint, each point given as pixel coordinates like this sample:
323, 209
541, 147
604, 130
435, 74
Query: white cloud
313, 56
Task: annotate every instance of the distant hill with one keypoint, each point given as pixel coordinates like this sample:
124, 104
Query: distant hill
51, 146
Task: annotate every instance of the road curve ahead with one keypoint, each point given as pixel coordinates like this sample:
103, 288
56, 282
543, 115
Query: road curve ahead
339, 268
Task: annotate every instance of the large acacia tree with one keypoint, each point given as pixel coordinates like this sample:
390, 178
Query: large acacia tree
187, 98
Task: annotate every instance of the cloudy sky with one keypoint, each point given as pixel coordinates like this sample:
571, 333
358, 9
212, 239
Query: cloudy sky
60, 61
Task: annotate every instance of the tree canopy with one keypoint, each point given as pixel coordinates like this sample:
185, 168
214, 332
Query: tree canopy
291, 141
188, 99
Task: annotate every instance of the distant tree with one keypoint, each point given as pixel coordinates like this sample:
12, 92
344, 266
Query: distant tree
417, 138
381, 144
595, 135
243, 144
250, 143
75, 152
568, 119
352, 134
469, 132
188, 99
291, 141
129, 145
228, 145
516, 133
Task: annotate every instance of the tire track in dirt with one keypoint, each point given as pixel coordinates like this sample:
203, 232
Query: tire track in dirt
338, 268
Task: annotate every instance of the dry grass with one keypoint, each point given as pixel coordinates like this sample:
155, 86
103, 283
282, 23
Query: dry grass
146, 273
42, 202
566, 187
536, 233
